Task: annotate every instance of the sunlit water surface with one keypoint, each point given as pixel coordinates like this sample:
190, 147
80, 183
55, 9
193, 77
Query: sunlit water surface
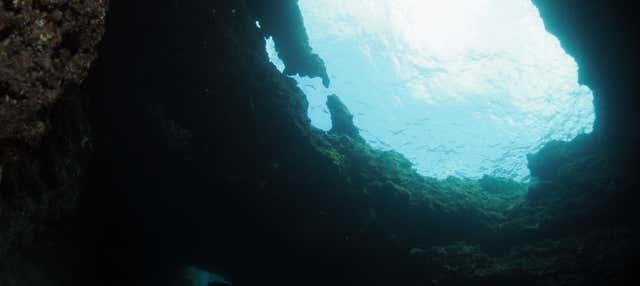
460, 87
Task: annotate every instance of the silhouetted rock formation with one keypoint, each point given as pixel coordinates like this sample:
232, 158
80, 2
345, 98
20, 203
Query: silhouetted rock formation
341, 118
282, 20
602, 37
204, 155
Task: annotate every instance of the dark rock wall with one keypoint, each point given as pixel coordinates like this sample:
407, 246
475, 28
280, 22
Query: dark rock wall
46, 50
603, 39
276, 20
591, 182
599, 170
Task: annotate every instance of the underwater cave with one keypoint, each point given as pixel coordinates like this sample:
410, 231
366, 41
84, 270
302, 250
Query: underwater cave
327, 142
464, 88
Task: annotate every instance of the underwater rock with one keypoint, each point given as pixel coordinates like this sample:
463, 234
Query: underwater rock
390, 193
546, 163
46, 51
282, 20
567, 260
496, 185
341, 117
539, 189
606, 52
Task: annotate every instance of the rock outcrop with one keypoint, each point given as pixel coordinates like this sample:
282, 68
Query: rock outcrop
602, 39
341, 117
282, 20
46, 51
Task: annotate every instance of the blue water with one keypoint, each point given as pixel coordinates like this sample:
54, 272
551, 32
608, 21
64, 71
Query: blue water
198, 277
460, 87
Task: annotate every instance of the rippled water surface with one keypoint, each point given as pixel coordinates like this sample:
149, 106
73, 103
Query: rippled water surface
460, 87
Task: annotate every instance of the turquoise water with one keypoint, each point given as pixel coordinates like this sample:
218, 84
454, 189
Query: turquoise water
461, 87
197, 277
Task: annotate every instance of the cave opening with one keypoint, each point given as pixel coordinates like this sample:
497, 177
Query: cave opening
461, 88
153, 143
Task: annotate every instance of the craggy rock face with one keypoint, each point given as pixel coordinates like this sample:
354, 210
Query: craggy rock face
204, 154
282, 20
213, 144
45, 46
46, 50
602, 37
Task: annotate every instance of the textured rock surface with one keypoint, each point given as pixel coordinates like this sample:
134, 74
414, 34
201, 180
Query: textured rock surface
46, 49
341, 117
213, 149
602, 39
211, 161
598, 172
276, 19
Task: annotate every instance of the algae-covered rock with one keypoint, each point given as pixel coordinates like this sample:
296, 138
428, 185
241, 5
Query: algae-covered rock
494, 185
546, 163
540, 189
